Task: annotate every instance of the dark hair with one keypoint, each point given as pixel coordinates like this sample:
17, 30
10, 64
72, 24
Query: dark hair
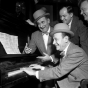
69, 7
66, 34
47, 16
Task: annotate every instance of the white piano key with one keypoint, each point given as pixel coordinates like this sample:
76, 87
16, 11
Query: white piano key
14, 73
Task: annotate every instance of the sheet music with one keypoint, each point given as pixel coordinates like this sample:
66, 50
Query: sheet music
10, 43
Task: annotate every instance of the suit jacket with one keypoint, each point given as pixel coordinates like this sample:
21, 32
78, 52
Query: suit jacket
72, 68
81, 33
38, 42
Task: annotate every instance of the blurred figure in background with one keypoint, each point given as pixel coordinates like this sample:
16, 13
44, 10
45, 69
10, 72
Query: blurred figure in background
20, 10
84, 9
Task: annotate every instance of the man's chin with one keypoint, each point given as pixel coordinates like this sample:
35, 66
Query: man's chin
57, 48
86, 20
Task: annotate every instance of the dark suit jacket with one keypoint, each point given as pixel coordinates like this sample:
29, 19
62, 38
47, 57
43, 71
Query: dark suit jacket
38, 42
74, 65
81, 33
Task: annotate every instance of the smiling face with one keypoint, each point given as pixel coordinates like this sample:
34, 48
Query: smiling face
59, 41
65, 16
84, 9
43, 24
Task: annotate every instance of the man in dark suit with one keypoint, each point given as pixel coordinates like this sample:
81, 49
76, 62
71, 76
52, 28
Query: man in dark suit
73, 65
40, 39
76, 25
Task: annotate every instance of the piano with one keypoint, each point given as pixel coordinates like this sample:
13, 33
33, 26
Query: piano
11, 24
10, 73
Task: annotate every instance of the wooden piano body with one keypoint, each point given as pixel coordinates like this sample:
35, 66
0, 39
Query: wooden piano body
12, 64
8, 63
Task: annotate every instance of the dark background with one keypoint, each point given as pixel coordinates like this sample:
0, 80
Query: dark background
31, 6
14, 13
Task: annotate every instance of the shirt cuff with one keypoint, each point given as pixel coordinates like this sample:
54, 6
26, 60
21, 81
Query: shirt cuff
37, 74
42, 68
51, 59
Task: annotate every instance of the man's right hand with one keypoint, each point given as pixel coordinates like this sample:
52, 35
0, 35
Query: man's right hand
27, 50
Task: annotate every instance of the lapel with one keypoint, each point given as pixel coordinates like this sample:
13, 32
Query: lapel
49, 44
70, 47
68, 50
41, 43
50, 38
73, 24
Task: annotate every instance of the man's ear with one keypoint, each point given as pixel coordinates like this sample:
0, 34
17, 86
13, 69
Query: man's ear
48, 20
71, 14
66, 39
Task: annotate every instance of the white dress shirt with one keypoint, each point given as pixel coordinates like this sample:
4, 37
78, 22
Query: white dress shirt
70, 24
45, 38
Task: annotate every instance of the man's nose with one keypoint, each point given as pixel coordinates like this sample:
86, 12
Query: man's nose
40, 26
62, 18
81, 12
54, 42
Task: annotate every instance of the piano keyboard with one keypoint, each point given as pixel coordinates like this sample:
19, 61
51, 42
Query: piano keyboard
14, 73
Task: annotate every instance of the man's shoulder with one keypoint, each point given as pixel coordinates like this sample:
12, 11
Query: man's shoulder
74, 48
36, 33
77, 19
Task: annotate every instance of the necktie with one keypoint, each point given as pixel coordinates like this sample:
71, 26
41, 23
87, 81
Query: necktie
62, 54
45, 33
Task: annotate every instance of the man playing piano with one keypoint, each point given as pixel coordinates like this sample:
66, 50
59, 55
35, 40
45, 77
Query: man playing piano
73, 65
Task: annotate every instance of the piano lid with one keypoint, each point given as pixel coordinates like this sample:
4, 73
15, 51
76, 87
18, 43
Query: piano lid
18, 57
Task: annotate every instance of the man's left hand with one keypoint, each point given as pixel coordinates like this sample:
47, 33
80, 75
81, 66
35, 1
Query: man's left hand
46, 57
36, 66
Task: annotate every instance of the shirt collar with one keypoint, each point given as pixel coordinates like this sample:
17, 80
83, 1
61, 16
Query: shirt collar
65, 50
48, 30
70, 22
